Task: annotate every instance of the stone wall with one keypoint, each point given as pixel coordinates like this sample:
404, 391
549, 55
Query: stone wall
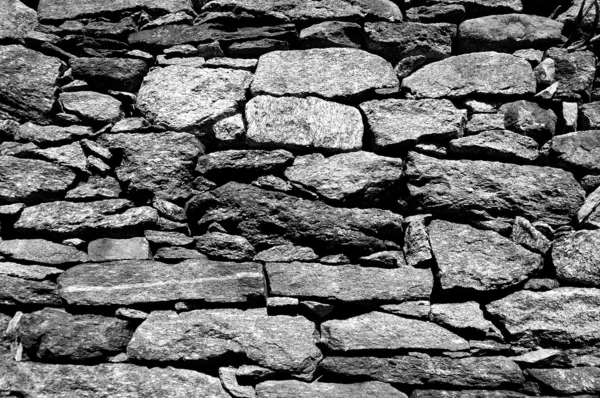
298, 198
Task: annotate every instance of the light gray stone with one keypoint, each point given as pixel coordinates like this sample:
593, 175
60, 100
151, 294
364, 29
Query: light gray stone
298, 389
525, 234
412, 309
286, 254
41, 251
119, 249
575, 71
224, 246
576, 256
231, 163
71, 156
578, 151
31, 272
95, 188
53, 135
584, 379
92, 107
467, 317
17, 20
331, 34
589, 214
500, 145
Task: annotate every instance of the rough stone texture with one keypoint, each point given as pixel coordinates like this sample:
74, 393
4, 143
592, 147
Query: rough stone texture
50, 10
575, 73
303, 123
95, 188
281, 343
225, 246
17, 20
54, 135
119, 249
576, 257
478, 188
578, 151
530, 119
478, 8
95, 108
589, 116
417, 249
589, 214
121, 74
286, 254
525, 234
15, 291
232, 163
500, 145
135, 282
331, 34
31, 272
331, 73
71, 156
41, 251
569, 381
466, 316
298, 389
466, 394
485, 73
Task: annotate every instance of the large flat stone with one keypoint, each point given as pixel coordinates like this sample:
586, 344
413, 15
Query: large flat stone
331, 73
234, 163
500, 145
41, 251
137, 282
107, 249
479, 8
303, 123
467, 394
584, 379
576, 257
578, 151
121, 74
575, 72
298, 389
483, 189
349, 282
281, 343
486, 73
92, 107
30, 271
16, 20
15, 291
51, 135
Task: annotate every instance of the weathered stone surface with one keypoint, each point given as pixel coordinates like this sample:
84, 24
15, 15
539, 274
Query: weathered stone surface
135, 282
303, 123
589, 214
470, 258
331, 34
331, 73
122, 74
92, 107
265, 217
471, 372
19, 184
530, 119
501, 145
467, 317
478, 8
575, 73
576, 257
233, 162
349, 282
95, 188
451, 13
589, 116
256, 48
177, 254
41, 251
560, 316
248, 64
168, 238
481, 122
467, 394
286, 254
354, 177
412, 309
16, 291
485, 73
491, 189
71, 156
545, 73
282, 343
27, 83
17, 20
380, 331
508, 33
55, 135
225, 246
525, 234
111, 217
417, 250
298, 389
167, 97
119, 249
578, 151
122, 380
55, 335
396, 124
31, 272
569, 381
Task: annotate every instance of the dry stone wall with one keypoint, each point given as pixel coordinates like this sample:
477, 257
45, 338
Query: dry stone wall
298, 199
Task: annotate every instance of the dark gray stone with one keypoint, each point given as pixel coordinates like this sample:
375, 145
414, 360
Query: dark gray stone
30, 272
331, 34
298, 389
576, 257
584, 379
119, 249
589, 214
575, 73
168, 238
451, 13
17, 20
525, 234
530, 119
92, 107
51, 135
589, 116
417, 249
224, 246
500, 145
466, 317
41, 251
578, 151
95, 188
256, 48
233, 163
122, 74
15, 291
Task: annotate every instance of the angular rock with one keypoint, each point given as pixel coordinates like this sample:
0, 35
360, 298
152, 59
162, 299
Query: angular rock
380, 331
569, 381
491, 189
528, 236
481, 122
136, 282
16, 21
331, 34
530, 119
349, 283
467, 394
396, 124
234, 163
286, 254
576, 257
411, 309
95, 108
169, 210
96, 188
589, 214
169, 254
130, 125
386, 259
500, 145
15, 291
569, 116
254, 49
225, 246
486, 73
41, 251
284, 344
111, 217
331, 73
575, 73
545, 73
479, 8
71, 156
51, 135
168, 99
228, 376
122, 74
578, 151
193, 62
558, 317
467, 317
166, 238
119, 249
298, 389
508, 33
31, 272
303, 123
451, 13
589, 116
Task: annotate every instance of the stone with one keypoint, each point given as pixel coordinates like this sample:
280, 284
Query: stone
231, 163
302, 123
55, 335
411, 309
355, 177
386, 259
500, 145
570, 111
51, 135
541, 284
95, 108
112, 30
396, 41
589, 116
95, 188
578, 151
548, 93
485, 190
107, 249
30, 272
476, 74
55, 381
331, 34
397, 124
481, 122
559, 317
471, 372
192, 62
589, 214
298, 389
174, 18
479, 8
132, 282
131, 314
584, 379
224, 246
530, 119
229, 380
466, 317
286, 254
71, 156
349, 283
210, 50
576, 256
122, 74
16, 21
168, 238
96, 149
248, 64
381, 331
19, 184
590, 183
281, 343
531, 55
256, 48
28, 81
41, 252
167, 99
575, 73
529, 237
16, 291
130, 125
360, 231
183, 50
160, 163
467, 394
545, 73
169, 210
330, 73
508, 33
110, 217
230, 131
168, 254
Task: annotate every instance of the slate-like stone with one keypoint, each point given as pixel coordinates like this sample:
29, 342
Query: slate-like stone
584, 379
381, 331
106, 249
486, 73
16, 21
331, 34
51, 135
41, 251
168, 238
500, 145
136, 282
479, 8
396, 124
508, 33
467, 317
575, 73
331, 73
417, 249
467, 394
471, 258
589, 214
589, 116
481, 122
55, 335
71, 156
303, 123
349, 282
298, 389
30, 272
578, 151
411, 309
15, 291
281, 343
396, 41
28, 83
233, 163
19, 184
92, 107
286, 254
225, 246
530, 119
111, 217
95, 188
525, 234
256, 48
121, 74
451, 13
491, 189
576, 258
167, 98
562, 316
